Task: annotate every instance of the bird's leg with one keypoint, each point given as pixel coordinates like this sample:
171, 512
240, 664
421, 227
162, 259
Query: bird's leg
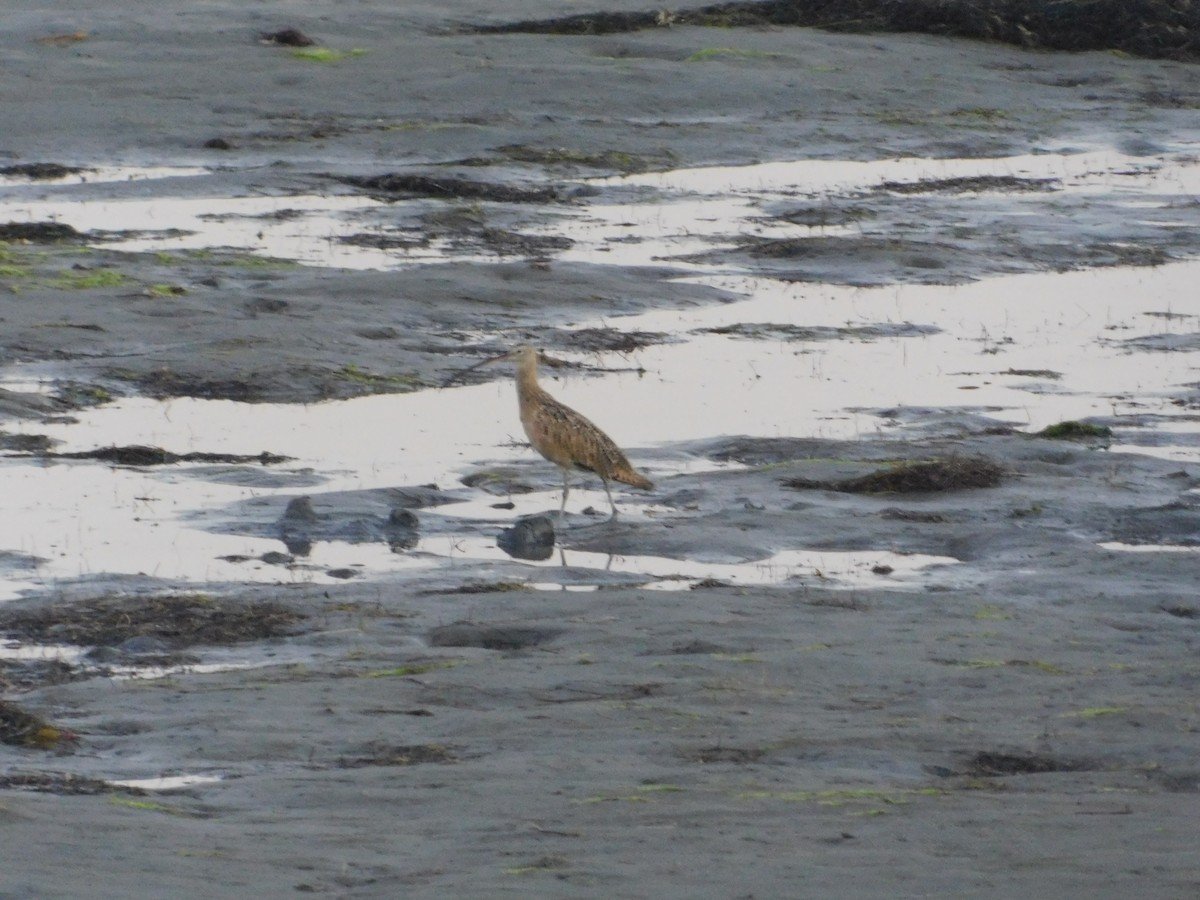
604, 481
562, 507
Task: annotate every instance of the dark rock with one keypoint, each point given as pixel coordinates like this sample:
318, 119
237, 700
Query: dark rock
530, 538
299, 509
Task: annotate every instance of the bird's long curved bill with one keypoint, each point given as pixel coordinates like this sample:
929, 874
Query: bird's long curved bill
462, 372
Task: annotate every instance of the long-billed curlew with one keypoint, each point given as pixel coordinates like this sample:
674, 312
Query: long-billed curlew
566, 438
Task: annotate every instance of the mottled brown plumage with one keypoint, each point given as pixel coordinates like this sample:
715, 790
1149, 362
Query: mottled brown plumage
566, 438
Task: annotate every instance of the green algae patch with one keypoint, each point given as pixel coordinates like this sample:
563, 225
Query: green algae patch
1096, 712
413, 669
90, 280
383, 383
152, 806
711, 53
325, 54
165, 290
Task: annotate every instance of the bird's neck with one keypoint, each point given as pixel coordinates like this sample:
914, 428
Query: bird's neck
527, 381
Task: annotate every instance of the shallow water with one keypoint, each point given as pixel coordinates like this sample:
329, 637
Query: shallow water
631, 220
220, 659
1027, 350
167, 782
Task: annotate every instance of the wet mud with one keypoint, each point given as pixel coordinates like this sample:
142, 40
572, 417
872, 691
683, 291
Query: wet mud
946, 650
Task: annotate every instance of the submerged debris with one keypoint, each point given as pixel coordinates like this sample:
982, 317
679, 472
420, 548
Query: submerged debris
954, 473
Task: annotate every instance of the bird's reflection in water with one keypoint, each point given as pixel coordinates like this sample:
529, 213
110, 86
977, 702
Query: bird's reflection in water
565, 437
533, 538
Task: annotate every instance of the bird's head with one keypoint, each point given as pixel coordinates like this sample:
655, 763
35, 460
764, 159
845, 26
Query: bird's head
526, 356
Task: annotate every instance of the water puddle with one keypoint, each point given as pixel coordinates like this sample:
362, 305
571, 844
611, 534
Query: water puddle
216, 659
164, 783
102, 175
651, 218
578, 568
1097, 172
109, 520
833, 569
1029, 350
630, 220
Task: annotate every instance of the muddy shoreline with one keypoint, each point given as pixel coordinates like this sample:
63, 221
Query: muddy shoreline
996, 697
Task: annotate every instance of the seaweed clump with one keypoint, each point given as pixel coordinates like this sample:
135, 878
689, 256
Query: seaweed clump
141, 455
1072, 430
21, 728
954, 473
177, 620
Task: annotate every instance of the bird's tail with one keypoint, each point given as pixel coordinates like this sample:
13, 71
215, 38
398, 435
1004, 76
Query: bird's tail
633, 478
